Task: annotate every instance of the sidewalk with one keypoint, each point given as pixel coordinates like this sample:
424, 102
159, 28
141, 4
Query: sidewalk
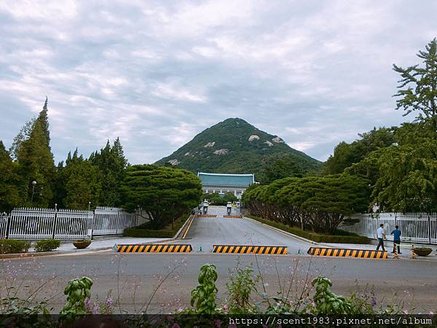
101, 243
97, 244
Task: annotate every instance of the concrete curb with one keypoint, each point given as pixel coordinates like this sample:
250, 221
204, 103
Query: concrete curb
74, 251
182, 229
52, 253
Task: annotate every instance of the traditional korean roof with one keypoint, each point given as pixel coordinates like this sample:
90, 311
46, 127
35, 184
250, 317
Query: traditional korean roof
226, 179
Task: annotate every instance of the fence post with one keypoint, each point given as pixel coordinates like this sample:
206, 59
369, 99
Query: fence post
8, 224
93, 223
429, 229
54, 221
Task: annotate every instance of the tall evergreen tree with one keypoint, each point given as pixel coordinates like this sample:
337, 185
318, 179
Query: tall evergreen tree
111, 164
36, 163
78, 184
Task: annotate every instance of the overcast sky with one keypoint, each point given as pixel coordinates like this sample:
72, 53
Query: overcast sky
156, 73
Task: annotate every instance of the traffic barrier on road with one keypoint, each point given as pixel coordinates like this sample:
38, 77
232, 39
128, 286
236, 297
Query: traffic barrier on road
154, 248
345, 252
232, 216
250, 249
206, 216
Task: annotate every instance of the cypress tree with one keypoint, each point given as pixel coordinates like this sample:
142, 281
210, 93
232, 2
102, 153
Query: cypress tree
111, 164
36, 163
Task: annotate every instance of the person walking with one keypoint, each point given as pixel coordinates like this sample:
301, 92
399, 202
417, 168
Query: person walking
380, 234
229, 208
396, 239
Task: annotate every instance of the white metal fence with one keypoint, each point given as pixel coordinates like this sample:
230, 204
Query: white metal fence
111, 221
415, 227
46, 223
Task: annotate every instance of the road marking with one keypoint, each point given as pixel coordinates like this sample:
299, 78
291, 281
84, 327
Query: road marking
188, 229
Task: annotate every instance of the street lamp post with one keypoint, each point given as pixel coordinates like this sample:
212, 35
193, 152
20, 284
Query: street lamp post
33, 190
54, 221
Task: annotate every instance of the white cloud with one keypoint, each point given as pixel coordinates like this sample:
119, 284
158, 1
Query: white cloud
174, 91
41, 10
157, 73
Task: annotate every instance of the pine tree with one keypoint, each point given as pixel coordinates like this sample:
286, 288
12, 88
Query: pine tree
418, 87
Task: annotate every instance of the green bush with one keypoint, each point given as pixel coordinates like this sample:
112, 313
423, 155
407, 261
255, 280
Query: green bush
144, 231
148, 233
47, 245
340, 236
339, 239
8, 246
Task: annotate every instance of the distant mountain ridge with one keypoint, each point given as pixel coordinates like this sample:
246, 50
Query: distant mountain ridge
235, 146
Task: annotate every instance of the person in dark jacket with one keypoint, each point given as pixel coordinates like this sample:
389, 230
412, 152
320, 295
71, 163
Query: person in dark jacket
396, 239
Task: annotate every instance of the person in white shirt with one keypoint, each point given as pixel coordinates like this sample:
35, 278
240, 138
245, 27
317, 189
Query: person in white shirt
229, 208
380, 234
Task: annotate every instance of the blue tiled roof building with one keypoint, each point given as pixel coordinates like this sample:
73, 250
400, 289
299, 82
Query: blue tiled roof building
222, 183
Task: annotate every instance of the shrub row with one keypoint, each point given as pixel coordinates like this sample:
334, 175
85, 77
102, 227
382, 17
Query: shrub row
47, 245
10, 246
148, 233
340, 236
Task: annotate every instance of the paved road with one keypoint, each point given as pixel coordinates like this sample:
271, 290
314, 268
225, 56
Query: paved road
133, 278
206, 232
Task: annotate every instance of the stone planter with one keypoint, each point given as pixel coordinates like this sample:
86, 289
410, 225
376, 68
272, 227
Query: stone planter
422, 251
81, 244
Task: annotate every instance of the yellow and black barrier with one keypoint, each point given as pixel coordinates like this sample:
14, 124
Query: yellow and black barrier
154, 248
232, 216
345, 252
250, 249
206, 215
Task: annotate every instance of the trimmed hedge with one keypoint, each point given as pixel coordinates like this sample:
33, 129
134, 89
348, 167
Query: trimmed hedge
143, 230
9, 246
147, 233
340, 236
47, 245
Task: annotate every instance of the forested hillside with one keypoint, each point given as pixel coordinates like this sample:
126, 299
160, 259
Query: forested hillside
235, 146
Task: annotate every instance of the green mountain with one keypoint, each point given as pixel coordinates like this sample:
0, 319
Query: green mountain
235, 146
